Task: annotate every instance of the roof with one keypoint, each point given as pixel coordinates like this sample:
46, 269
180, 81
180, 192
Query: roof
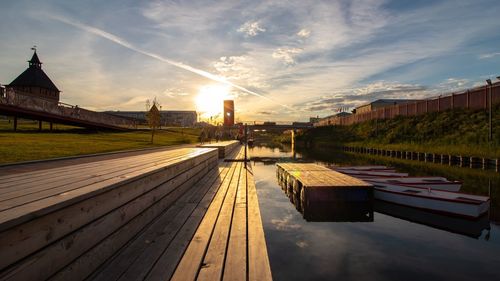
394, 101
34, 76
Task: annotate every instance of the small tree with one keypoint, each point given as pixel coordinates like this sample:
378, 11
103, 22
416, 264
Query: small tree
153, 116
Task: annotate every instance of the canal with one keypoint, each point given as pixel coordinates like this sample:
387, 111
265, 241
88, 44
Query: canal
386, 242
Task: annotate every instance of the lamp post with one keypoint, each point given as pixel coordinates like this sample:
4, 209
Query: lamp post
490, 134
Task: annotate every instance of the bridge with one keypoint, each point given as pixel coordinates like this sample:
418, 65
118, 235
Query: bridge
23, 105
277, 126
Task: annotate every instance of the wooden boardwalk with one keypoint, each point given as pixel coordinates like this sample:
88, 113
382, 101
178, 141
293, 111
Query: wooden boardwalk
133, 218
225, 147
312, 182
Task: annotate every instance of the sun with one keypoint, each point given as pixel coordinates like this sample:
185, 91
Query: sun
210, 99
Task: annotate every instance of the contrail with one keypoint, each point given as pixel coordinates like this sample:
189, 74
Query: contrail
124, 43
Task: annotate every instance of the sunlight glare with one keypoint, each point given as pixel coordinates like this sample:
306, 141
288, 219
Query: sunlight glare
209, 101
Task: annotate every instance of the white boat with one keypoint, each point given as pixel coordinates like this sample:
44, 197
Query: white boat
472, 228
454, 203
372, 173
439, 183
363, 168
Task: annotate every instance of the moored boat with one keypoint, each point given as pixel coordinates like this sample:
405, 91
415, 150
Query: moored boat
439, 183
472, 228
372, 173
454, 203
364, 168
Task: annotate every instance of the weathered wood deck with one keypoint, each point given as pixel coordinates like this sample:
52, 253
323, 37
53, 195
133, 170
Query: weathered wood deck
225, 147
134, 218
312, 182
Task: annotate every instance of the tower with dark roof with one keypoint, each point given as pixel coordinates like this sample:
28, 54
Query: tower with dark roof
34, 82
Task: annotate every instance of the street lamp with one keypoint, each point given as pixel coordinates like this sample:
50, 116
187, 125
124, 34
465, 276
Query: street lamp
490, 135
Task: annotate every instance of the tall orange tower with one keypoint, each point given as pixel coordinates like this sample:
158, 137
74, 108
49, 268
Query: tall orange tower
228, 113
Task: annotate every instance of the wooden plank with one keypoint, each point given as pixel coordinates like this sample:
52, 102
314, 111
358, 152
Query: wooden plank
38, 233
235, 267
259, 268
133, 215
190, 263
213, 262
167, 263
22, 194
55, 177
38, 208
27, 177
327, 179
135, 261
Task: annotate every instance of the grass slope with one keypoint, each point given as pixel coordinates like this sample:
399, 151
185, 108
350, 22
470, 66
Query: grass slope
29, 144
459, 132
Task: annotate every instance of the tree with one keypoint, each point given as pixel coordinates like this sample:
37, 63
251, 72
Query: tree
153, 116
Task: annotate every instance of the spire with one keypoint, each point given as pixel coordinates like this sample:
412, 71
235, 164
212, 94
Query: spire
35, 61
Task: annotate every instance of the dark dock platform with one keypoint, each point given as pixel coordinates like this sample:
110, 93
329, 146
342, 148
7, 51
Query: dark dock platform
307, 183
225, 147
133, 218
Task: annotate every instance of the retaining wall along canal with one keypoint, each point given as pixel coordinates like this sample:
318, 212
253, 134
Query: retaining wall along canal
462, 161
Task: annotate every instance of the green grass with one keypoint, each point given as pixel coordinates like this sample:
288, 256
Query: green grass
29, 144
457, 132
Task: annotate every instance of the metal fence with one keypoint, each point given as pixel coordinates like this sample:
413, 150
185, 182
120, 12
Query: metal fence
475, 98
61, 110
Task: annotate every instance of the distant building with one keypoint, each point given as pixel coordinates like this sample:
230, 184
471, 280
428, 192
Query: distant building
228, 113
179, 118
313, 120
381, 103
342, 114
34, 82
330, 120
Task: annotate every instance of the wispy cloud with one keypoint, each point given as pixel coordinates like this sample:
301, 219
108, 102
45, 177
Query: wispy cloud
304, 33
489, 55
251, 28
287, 54
316, 55
127, 45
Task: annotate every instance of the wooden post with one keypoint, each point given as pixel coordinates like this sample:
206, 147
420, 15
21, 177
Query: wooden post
51, 126
467, 95
39, 125
15, 123
245, 146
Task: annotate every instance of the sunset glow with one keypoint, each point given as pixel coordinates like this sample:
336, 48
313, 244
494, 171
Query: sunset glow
209, 101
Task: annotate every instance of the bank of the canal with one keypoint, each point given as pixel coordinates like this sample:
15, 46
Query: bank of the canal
395, 243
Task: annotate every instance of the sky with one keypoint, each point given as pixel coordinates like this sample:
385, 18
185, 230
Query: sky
279, 60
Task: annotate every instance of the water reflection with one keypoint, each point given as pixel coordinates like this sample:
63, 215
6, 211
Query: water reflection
467, 227
329, 211
397, 243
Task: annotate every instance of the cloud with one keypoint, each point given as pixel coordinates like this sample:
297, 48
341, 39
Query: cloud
251, 28
354, 97
124, 43
287, 54
285, 223
304, 33
489, 55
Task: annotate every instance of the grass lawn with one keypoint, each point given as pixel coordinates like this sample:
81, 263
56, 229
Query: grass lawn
29, 144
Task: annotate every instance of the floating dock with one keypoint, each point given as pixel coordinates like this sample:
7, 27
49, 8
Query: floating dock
225, 147
142, 217
311, 183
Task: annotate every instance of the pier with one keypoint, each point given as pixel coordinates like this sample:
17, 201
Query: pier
307, 183
224, 147
152, 216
